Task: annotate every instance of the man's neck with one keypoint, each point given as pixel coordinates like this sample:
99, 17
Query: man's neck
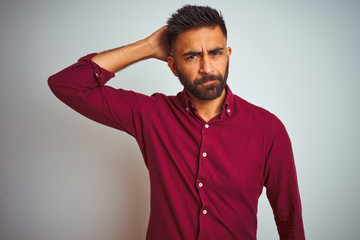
208, 109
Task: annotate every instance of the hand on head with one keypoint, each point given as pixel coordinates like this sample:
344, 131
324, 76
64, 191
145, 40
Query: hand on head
159, 44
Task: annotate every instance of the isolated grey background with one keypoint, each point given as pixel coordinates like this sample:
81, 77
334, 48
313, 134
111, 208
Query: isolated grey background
63, 176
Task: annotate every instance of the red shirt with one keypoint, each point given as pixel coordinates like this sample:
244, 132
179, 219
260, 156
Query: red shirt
206, 177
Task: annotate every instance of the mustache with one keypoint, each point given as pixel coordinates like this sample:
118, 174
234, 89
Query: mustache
208, 78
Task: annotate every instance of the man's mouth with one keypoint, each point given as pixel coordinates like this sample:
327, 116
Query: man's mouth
208, 79
208, 82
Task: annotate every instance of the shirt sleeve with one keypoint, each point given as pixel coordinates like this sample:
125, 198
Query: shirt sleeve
82, 87
282, 186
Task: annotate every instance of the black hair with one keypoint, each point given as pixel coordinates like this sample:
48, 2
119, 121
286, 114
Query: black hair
193, 17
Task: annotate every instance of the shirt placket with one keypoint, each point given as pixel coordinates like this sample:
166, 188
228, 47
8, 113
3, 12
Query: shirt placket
201, 183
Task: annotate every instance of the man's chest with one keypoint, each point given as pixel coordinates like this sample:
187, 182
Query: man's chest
227, 154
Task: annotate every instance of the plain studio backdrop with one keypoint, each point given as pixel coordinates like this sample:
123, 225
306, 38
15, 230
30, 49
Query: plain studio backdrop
63, 176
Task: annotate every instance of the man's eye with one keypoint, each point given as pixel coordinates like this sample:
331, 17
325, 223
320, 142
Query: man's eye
215, 53
191, 57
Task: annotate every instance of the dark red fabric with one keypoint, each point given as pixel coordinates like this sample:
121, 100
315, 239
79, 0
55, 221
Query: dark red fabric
205, 178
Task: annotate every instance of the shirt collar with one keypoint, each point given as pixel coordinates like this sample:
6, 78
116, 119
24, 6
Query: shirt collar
228, 104
227, 108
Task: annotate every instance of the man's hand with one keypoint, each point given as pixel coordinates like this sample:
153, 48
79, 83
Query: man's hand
154, 46
158, 43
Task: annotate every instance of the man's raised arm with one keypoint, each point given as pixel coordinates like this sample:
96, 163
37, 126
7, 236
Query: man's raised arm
154, 46
82, 87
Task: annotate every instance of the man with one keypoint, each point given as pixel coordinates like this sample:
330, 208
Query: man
209, 153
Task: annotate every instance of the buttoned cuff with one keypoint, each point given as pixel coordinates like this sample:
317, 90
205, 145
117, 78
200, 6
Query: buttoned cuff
101, 74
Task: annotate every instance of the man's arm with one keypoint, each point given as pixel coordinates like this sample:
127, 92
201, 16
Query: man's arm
82, 87
282, 186
154, 46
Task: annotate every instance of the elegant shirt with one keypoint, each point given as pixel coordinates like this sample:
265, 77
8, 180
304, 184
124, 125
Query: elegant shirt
205, 177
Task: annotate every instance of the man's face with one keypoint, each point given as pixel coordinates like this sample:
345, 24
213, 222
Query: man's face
201, 60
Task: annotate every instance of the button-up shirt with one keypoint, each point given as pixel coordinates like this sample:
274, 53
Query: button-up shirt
205, 177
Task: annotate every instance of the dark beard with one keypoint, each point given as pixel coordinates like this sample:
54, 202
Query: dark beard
209, 92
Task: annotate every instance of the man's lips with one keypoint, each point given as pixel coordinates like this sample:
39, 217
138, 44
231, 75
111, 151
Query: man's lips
209, 82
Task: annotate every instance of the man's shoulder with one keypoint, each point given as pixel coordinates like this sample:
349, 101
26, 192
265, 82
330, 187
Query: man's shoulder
254, 112
247, 107
161, 97
258, 115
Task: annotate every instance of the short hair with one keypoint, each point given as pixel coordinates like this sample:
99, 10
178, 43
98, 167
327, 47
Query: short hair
193, 17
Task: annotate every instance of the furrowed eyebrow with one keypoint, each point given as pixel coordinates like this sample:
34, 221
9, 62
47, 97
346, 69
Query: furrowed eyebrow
219, 49
191, 53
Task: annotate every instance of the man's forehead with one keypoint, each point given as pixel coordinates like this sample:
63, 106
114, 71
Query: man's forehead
202, 39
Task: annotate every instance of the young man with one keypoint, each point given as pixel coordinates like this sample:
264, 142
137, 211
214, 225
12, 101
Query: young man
209, 153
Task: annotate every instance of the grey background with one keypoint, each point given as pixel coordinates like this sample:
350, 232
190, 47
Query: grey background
63, 176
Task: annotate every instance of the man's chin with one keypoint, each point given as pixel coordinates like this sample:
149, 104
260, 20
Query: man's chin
209, 93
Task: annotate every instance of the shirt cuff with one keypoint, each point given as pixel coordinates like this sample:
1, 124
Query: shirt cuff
101, 74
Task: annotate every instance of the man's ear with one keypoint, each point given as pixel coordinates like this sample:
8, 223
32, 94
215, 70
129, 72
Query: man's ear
172, 65
229, 51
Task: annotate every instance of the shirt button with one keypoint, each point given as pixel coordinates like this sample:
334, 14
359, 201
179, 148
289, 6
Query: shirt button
229, 110
204, 212
206, 125
200, 184
187, 109
204, 154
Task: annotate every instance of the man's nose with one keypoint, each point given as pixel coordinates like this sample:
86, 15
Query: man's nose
206, 65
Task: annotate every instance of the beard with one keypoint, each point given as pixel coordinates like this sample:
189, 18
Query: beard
205, 92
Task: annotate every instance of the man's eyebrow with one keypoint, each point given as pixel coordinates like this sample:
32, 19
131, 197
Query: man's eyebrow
218, 49
193, 53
